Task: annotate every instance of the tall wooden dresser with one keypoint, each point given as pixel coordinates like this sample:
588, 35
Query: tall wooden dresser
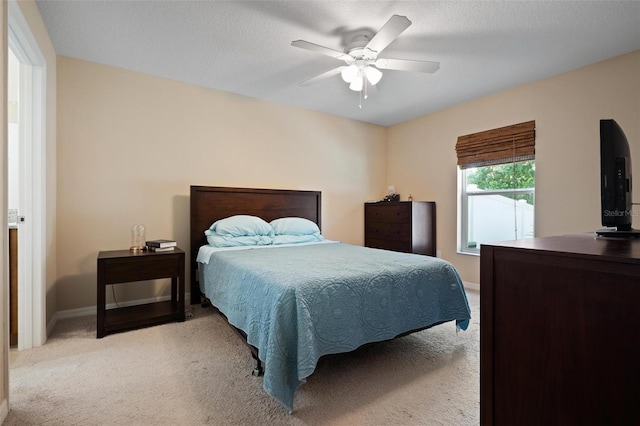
559, 341
406, 226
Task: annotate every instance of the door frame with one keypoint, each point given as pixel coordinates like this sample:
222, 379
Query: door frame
32, 233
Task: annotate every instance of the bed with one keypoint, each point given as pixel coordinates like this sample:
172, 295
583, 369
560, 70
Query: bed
294, 303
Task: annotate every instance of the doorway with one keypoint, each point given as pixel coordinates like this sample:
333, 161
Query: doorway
26, 175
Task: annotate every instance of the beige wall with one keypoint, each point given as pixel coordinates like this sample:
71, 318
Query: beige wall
567, 109
130, 145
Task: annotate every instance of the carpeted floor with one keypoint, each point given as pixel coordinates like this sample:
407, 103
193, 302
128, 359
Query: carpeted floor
199, 372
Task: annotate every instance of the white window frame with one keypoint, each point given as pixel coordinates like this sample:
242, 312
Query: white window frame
463, 219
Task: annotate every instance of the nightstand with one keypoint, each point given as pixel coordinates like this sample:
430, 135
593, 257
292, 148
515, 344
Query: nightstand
123, 266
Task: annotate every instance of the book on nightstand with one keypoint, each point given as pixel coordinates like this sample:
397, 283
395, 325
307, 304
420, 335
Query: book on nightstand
158, 249
161, 243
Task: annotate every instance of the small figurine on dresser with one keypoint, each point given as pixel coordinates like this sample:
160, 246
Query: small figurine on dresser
392, 195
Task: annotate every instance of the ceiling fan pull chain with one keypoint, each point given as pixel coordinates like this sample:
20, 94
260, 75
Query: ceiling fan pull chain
360, 104
366, 85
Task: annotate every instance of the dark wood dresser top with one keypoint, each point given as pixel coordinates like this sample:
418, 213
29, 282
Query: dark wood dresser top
580, 245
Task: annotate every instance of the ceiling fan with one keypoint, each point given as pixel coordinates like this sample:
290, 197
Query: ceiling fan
362, 64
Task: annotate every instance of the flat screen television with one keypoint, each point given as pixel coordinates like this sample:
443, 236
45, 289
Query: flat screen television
615, 182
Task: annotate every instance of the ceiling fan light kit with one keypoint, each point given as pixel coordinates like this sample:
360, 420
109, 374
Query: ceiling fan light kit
363, 66
356, 73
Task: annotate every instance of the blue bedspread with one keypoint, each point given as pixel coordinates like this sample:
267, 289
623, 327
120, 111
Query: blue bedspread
298, 303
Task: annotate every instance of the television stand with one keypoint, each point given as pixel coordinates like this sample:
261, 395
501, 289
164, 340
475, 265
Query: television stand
558, 340
613, 233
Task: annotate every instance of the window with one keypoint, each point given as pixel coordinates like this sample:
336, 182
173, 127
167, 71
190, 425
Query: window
496, 186
496, 204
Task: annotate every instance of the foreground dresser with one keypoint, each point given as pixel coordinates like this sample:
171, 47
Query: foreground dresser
406, 226
559, 342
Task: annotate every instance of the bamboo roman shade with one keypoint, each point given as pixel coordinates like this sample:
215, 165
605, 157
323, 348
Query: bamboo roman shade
498, 146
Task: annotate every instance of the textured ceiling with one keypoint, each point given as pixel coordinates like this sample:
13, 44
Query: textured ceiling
244, 47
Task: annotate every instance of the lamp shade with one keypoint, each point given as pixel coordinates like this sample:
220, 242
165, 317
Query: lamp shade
357, 83
373, 75
349, 73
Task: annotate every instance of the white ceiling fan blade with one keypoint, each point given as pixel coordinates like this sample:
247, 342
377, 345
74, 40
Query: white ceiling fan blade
320, 49
389, 31
322, 76
407, 65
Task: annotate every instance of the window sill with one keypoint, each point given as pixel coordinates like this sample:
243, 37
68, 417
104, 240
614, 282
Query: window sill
469, 253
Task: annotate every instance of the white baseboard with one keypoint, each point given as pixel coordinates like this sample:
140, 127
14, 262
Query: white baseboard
471, 286
4, 410
92, 310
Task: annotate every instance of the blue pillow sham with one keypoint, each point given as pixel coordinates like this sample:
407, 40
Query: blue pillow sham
240, 226
296, 239
247, 230
294, 226
217, 240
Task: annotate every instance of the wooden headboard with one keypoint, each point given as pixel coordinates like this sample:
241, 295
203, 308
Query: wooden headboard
211, 203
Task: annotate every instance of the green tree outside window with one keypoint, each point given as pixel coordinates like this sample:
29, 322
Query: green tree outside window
520, 175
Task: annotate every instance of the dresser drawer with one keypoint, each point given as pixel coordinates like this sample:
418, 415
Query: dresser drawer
127, 270
387, 213
402, 246
388, 231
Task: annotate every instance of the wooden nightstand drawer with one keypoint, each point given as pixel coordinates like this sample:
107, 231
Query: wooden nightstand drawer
118, 271
387, 213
